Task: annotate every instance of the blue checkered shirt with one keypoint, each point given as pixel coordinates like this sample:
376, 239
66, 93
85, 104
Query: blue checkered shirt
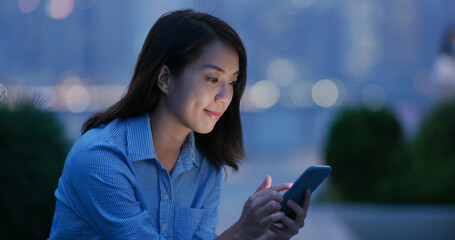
113, 187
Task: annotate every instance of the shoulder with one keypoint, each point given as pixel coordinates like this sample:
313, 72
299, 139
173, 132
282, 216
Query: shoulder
104, 134
99, 149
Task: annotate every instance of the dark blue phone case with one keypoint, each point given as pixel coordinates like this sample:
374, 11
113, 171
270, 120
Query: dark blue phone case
311, 178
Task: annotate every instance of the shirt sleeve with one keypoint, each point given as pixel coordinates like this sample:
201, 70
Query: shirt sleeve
206, 230
101, 186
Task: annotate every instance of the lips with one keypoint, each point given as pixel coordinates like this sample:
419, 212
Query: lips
213, 114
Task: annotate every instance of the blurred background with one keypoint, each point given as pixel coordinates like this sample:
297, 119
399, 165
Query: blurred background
362, 85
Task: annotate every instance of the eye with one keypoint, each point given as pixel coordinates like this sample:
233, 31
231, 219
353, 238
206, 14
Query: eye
212, 80
234, 83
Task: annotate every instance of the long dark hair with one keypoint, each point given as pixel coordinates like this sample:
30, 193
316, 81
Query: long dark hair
176, 40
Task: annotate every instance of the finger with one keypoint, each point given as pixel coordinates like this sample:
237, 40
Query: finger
300, 212
288, 222
281, 187
278, 232
274, 217
281, 232
290, 225
265, 184
260, 199
279, 224
306, 200
270, 207
269, 191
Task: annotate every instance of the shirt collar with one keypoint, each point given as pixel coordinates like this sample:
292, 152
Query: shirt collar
139, 138
188, 152
140, 144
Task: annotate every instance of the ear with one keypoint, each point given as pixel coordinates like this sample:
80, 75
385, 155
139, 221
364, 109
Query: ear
164, 79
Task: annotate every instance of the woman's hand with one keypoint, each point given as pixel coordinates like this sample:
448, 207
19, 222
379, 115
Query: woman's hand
288, 228
261, 210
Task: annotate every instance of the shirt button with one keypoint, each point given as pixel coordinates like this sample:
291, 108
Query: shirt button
163, 228
166, 197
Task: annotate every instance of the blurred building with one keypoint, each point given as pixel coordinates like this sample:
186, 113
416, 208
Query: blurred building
307, 58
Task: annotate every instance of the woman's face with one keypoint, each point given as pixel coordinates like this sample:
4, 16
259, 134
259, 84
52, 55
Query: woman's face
204, 89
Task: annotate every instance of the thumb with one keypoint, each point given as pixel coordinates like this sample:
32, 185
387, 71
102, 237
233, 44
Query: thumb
265, 184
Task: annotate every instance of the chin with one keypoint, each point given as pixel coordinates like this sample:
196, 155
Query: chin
204, 130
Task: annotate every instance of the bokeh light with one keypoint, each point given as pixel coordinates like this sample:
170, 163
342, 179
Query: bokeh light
59, 9
342, 91
27, 6
77, 98
281, 71
74, 94
264, 94
245, 103
374, 97
325, 93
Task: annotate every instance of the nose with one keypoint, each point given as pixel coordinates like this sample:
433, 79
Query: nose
224, 94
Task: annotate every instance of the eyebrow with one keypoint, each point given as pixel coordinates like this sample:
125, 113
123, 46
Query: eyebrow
218, 68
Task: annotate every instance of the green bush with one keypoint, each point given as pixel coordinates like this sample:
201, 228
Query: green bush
433, 152
372, 162
364, 148
32, 152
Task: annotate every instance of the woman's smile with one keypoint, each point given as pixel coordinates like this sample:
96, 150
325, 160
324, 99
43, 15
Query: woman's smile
215, 115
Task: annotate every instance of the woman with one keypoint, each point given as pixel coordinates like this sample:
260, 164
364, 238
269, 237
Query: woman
149, 167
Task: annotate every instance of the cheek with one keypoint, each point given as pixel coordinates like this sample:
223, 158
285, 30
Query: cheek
196, 101
202, 95
231, 96
178, 101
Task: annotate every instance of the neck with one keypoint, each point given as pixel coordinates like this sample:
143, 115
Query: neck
168, 137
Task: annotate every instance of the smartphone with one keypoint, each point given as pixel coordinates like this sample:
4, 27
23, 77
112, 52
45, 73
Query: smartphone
311, 178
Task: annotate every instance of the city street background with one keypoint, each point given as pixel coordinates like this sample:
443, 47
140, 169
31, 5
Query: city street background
307, 60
